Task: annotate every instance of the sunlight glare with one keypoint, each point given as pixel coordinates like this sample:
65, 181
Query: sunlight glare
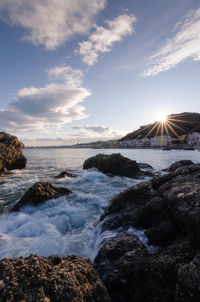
162, 118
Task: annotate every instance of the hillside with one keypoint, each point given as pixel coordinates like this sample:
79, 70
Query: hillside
175, 125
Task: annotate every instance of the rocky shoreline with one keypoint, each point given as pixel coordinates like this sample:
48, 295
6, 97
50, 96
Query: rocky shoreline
165, 210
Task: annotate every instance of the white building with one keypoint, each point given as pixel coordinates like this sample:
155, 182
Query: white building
194, 139
160, 141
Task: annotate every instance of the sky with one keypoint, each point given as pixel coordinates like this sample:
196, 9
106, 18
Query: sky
87, 70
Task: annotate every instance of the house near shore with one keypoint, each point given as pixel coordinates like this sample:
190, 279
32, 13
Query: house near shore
194, 139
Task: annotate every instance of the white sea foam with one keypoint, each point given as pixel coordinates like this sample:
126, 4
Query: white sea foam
64, 226
67, 225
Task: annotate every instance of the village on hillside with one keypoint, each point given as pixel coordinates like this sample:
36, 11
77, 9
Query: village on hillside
186, 141
189, 140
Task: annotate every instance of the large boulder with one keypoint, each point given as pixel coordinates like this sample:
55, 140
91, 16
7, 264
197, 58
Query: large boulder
39, 193
115, 164
50, 279
11, 153
167, 211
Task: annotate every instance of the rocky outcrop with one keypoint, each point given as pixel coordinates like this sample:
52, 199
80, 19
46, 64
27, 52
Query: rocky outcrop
39, 193
11, 153
50, 279
167, 208
178, 164
115, 164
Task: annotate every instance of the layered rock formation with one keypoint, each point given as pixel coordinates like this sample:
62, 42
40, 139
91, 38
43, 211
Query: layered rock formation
168, 209
115, 164
39, 193
50, 279
11, 153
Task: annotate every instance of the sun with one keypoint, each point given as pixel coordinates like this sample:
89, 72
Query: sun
162, 117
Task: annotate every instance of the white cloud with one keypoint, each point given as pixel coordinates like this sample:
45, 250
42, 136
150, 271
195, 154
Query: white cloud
51, 22
185, 45
50, 106
97, 132
103, 39
72, 77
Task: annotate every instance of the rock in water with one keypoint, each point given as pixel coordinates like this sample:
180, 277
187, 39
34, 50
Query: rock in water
11, 153
168, 209
64, 174
114, 164
39, 193
178, 164
50, 279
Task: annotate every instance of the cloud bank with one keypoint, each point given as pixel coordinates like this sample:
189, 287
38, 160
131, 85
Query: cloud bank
51, 22
53, 105
185, 45
81, 134
103, 39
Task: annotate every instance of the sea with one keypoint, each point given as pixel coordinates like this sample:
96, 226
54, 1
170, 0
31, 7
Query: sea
68, 225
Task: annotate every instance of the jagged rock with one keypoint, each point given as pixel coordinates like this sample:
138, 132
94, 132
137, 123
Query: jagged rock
11, 153
39, 193
50, 279
115, 164
64, 174
168, 209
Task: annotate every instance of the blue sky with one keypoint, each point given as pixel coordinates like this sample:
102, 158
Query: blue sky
85, 70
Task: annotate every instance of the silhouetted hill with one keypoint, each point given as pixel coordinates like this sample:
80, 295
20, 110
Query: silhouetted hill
176, 124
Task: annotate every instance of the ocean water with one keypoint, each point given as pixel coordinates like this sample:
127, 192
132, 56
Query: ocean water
69, 224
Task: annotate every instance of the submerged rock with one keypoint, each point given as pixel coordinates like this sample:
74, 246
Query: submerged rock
64, 174
39, 193
11, 153
115, 164
167, 208
50, 279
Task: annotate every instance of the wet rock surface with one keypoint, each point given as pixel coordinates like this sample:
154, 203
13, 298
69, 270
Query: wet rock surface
11, 153
116, 164
39, 193
167, 208
50, 279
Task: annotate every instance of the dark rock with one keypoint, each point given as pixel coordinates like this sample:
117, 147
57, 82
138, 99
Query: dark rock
162, 235
178, 164
11, 153
114, 164
131, 274
145, 166
168, 208
50, 279
64, 174
39, 193
188, 283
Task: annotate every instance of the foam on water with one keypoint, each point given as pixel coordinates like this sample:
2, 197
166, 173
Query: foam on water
67, 225
63, 226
